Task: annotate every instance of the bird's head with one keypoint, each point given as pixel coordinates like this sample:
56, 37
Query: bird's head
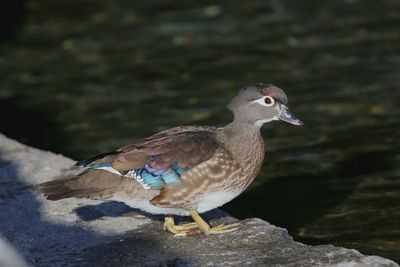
261, 103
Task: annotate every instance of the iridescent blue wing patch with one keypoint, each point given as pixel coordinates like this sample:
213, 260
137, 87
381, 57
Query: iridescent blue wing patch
151, 178
148, 177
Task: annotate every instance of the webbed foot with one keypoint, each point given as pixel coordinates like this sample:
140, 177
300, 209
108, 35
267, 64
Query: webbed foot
207, 229
185, 229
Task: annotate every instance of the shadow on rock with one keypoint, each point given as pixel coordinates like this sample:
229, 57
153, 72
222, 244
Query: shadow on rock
43, 243
117, 209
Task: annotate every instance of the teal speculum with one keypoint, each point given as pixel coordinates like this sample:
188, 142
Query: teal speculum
148, 177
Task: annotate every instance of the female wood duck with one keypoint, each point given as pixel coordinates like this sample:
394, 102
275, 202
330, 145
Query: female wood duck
184, 170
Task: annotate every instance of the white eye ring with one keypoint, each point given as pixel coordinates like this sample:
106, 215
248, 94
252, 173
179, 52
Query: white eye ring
265, 101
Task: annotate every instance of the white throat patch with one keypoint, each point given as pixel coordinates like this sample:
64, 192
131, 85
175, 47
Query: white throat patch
260, 123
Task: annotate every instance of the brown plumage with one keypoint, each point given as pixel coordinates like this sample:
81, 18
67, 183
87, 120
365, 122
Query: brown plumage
183, 169
92, 184
187, 146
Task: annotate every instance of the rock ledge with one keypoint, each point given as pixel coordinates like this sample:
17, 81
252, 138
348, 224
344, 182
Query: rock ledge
87, 233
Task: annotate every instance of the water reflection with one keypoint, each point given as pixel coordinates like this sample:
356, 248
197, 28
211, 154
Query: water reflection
98, 76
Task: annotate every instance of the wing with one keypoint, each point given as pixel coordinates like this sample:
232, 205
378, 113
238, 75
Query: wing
160, 160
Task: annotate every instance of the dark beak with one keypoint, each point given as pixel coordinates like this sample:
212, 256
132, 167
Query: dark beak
287, 115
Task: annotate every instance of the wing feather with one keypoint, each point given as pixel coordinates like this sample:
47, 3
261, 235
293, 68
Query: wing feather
161, 159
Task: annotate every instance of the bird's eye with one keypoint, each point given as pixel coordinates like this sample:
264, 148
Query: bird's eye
269, 101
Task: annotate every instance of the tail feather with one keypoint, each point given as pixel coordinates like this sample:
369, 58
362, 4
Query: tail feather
92, 184
58, 189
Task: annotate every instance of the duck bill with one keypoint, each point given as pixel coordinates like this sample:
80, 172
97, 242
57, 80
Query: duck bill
289, 117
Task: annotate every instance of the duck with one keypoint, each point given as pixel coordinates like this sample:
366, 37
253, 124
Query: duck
185, 170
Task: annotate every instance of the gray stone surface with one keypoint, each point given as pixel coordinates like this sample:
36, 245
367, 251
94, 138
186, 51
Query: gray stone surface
87, 233
9, 256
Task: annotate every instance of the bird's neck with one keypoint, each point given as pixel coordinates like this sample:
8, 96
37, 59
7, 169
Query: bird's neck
242, 129
245, 142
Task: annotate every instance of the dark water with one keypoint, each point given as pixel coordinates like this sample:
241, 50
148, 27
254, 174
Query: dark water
83, 77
